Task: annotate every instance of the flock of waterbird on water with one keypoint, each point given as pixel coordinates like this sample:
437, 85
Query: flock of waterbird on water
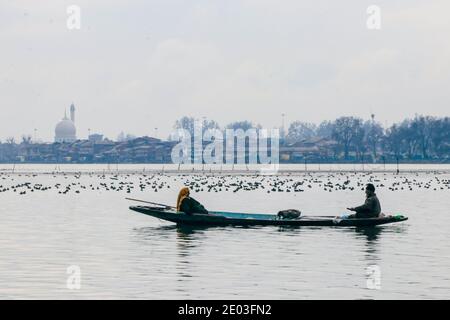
65, 183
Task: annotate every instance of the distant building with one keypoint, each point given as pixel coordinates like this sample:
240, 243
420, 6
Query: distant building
95, 138
65, 130
314, 149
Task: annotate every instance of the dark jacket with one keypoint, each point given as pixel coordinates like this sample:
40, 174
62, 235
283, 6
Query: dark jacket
190, 206
370, 209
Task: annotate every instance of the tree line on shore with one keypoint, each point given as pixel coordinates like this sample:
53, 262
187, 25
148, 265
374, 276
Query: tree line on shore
419, 138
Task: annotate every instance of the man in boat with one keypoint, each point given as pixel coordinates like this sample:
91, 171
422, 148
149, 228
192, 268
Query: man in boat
371, 207
189, 205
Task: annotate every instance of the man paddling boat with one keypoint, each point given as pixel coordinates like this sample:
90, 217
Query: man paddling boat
371, 207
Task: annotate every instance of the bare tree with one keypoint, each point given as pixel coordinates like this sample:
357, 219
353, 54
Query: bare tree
26, 139
299, 130
244, 125
325, 129
346, 131
10, 140
373, 135
188, 123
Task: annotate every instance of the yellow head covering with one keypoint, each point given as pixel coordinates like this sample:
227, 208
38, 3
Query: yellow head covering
184, 193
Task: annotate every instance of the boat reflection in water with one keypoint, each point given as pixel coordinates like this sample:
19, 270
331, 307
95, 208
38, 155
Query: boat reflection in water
372, 237
195, 261
370, 233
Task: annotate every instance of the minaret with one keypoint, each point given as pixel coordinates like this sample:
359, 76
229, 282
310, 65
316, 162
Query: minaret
72, 113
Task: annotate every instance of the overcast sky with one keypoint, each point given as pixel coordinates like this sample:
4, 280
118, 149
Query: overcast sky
135, 65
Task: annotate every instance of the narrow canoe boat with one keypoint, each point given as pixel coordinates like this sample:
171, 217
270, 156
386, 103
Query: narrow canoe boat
218, 218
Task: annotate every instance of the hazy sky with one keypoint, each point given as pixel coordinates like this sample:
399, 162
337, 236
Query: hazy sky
136, 65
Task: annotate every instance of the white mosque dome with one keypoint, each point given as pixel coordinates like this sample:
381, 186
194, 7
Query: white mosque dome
65, 130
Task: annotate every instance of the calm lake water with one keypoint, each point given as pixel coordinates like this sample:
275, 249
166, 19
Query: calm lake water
82, 219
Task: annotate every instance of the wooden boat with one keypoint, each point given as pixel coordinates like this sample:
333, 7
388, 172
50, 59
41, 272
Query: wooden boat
219, 218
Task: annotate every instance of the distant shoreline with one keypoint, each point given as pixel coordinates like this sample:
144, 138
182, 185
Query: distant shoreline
237, 169
297, 163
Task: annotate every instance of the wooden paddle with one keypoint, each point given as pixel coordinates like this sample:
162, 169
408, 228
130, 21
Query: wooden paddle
149, 202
